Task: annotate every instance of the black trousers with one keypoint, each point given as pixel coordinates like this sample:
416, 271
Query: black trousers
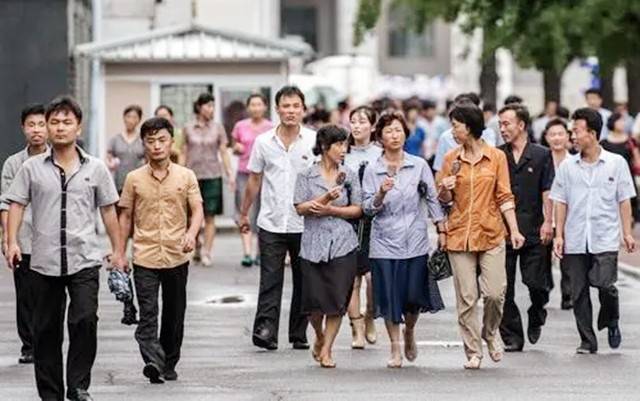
24, 303
50, 304
535, 267
163, 351
273, 250
565, 280
599, 271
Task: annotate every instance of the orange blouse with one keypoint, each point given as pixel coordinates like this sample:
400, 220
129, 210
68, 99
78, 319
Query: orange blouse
481, 194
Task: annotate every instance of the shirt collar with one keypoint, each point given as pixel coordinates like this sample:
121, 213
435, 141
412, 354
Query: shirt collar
602, 157
484, 149
84, 157
381, 167
150, 170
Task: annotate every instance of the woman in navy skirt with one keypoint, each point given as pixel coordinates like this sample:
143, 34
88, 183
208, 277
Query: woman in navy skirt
395, 188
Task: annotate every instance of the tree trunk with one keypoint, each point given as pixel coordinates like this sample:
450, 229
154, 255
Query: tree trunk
633, 84
606, 87
552, 85
489, 77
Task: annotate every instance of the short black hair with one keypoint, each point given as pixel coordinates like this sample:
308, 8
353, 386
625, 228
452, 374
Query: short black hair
133, 107
556, 121
513, 99
489, 107
31, 109
591, 117
163, 106
593, 91
522, 113
563, 112
470, 115
153, 125
428, 104
290, 90
203, 98
470, 96
257, 96
611, 121
387, 119
66, 104
327, 136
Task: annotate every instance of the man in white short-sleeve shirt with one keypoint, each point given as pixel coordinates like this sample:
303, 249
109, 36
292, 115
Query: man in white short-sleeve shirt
277, 157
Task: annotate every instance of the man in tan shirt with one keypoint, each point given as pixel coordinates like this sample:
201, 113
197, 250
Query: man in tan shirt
157, 199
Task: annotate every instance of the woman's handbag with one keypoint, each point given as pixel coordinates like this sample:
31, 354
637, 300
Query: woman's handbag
439, 265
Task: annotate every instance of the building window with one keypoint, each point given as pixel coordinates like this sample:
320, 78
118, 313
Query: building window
404, 41
300, 21
180, 98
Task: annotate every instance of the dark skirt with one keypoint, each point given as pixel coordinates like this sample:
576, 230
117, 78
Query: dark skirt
327, 286
211, 191
364, 235
402, 286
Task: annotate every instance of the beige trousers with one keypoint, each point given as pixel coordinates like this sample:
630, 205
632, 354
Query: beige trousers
492, 285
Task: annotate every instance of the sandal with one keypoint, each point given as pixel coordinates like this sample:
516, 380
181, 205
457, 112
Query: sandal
473, 363
396, 360
410, 346
357, 332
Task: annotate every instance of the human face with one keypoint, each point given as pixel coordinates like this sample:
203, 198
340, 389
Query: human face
290, 110
360, 128
164, 113
256, 108
558, 138
510, 127
619, 125
131, 121
35, 129
551, 109
393, 136
429, 113
460, 131
63, 128
206, 111
594, 101
158, 146
412, 116
336, 152
582, 136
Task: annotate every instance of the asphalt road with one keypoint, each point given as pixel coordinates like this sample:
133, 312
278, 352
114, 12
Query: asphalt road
219, 363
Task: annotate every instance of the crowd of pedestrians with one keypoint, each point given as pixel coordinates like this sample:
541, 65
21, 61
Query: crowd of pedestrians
345, 205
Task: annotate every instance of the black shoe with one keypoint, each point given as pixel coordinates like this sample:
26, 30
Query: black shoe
301, 345
170, 375
26, 358
584, 349
533, 333
130, 313
513, 348
152, 372
80, 395
261, 339
615, 337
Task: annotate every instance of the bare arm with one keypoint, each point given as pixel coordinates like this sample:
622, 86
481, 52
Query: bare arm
125, 221
510, 218
253, 187
226, 162
110, 220
197, 216
14, 254
627, 225
4, 218
561, 218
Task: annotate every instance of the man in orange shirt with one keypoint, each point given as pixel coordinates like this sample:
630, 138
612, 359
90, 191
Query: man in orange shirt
157, 199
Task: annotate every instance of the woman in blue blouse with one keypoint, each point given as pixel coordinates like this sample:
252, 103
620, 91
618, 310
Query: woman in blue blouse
327, 194
394, 187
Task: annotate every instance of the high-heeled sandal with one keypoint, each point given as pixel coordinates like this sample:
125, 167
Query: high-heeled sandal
473, 363
316, 349
327, 363
370, 329
357, 332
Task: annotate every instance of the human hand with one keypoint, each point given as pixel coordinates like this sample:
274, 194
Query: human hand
442, 241
13, 256
238, 148
546, 233
629, 243
517, 240
449, 183
243, 223
334, 193
558, 247
119, 262
188, 243
319, 209
386, 185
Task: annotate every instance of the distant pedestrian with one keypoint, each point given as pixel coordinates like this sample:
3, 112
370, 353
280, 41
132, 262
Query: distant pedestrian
34, 128
125, 152
177, 155
244, 135
592, 192
163, 239
67, 183
205, 151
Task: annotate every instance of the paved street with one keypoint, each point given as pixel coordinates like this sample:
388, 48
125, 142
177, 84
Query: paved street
219, 363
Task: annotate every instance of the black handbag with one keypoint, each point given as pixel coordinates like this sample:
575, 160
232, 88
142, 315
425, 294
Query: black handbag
439, 265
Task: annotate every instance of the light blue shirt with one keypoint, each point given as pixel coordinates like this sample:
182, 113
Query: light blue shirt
446, 143
593, 194
399, 226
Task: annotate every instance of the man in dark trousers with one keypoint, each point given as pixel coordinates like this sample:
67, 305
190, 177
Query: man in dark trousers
531, 172
64, 186
163, 240
277, 157
34, 127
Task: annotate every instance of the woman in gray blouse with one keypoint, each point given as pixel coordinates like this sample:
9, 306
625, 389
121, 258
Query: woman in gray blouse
395, 188
327, 194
